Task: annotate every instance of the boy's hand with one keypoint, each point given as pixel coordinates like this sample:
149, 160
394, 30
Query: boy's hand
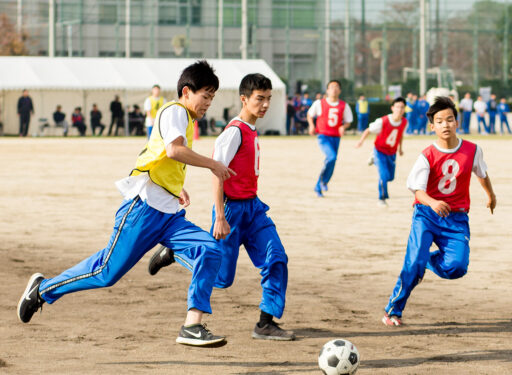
221, 228
401, 152
441, 208
359, 144
491, 204
311, 130
184, 198
221, 171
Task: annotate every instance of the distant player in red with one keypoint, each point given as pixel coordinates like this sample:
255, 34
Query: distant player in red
440, 181
389, 130
333, 116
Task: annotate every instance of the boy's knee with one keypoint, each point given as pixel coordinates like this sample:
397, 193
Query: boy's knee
456, 269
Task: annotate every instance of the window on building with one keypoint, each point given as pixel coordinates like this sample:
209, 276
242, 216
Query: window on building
108, 12
175, 12
112, 11
233, 12
301, 13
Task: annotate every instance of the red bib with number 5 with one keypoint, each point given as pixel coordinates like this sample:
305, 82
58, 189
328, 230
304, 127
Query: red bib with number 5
388, 139
450, 175
246, 164
329, 122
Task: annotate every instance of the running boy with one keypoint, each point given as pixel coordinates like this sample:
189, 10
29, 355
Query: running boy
150, 214
440, 181
333, 116
239, 217
389, 130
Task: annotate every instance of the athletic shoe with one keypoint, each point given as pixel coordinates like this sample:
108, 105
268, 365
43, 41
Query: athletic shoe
30, 301
318, 192
382, 203
163, 257
392, 320
198, 335
371, 161
323, 186
272, 331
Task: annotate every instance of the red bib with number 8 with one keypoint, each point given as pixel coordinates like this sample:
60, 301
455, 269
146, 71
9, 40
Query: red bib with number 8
450, 175
246, 164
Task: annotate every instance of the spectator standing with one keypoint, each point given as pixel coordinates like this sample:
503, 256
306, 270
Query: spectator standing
60, 120
151, 106
78, 120
116, 109
306, 100
503, 109
422, 107
410, 112
96, 120
466, 105
480, 109
290, 115
492, 108
25, 109
363, 113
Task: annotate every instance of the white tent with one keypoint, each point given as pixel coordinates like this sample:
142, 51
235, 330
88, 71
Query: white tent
80, 82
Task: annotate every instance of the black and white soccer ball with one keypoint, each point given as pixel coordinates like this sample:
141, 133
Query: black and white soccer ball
339, 357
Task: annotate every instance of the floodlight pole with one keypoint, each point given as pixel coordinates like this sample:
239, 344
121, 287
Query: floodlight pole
505, 45
127, 29
327, 42
220, 31
423, 70
347, 39
51, 28
19, 17
243, 46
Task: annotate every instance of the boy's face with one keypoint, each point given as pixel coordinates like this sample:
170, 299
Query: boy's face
398, 109
445, 124
155, 91
333, 90
198, 102
257, 104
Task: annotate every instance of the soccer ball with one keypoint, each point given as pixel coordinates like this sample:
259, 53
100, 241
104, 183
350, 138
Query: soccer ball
339, 357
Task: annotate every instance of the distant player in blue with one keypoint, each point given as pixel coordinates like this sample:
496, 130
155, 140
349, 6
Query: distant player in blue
241, 218
503, 110
363, 113
411, 113
151, 214
440, 181
492, 108
421, 110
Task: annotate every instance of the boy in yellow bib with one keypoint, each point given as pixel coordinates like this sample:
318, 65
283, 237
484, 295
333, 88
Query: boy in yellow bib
151, 106
150, 214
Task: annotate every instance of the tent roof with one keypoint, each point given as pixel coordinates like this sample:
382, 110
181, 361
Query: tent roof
133, 74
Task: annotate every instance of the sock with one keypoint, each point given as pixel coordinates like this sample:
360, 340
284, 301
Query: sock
264, 319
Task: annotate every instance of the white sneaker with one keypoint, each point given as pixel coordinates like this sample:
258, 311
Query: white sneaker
370, 160
382, 203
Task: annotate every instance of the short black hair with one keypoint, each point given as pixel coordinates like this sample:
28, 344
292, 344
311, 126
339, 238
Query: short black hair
398, 99
197, 76
333, 80
255, 81
440, 103
155, 86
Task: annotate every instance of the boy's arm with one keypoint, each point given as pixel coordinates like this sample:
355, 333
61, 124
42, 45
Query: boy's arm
486, 184
311, 128
178, 151
363, 137
440, 207
221, 226
400, 149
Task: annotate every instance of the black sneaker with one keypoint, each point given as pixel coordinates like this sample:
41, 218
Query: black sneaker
198, 335
272, 331
163, 257
30, 301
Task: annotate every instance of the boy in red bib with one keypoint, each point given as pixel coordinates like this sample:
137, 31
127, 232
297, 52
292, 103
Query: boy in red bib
389, 130
440, 181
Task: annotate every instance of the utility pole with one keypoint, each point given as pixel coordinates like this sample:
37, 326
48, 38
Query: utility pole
127, 29
347, 39
475, 57
327, 42
423, 68
189, 23
19, 17
287, 44
51, 28
505, 45
384, 61
363, 39
220, 31
243, 46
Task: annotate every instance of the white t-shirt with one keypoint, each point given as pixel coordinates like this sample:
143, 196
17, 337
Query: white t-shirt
376, 126
316, 110
147, 107
480, 107
466, 104
173, 124
418, 178
227, 144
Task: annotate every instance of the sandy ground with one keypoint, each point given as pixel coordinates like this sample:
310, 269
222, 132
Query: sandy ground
57, 206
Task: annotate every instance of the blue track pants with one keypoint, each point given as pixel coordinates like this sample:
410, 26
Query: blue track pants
329, 146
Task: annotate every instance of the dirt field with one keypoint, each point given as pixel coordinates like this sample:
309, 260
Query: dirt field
57, 206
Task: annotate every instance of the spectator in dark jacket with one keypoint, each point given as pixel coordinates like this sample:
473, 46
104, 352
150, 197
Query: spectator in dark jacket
25, 109
59, 118
78, 120
116, 108
136, 119
96, 120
